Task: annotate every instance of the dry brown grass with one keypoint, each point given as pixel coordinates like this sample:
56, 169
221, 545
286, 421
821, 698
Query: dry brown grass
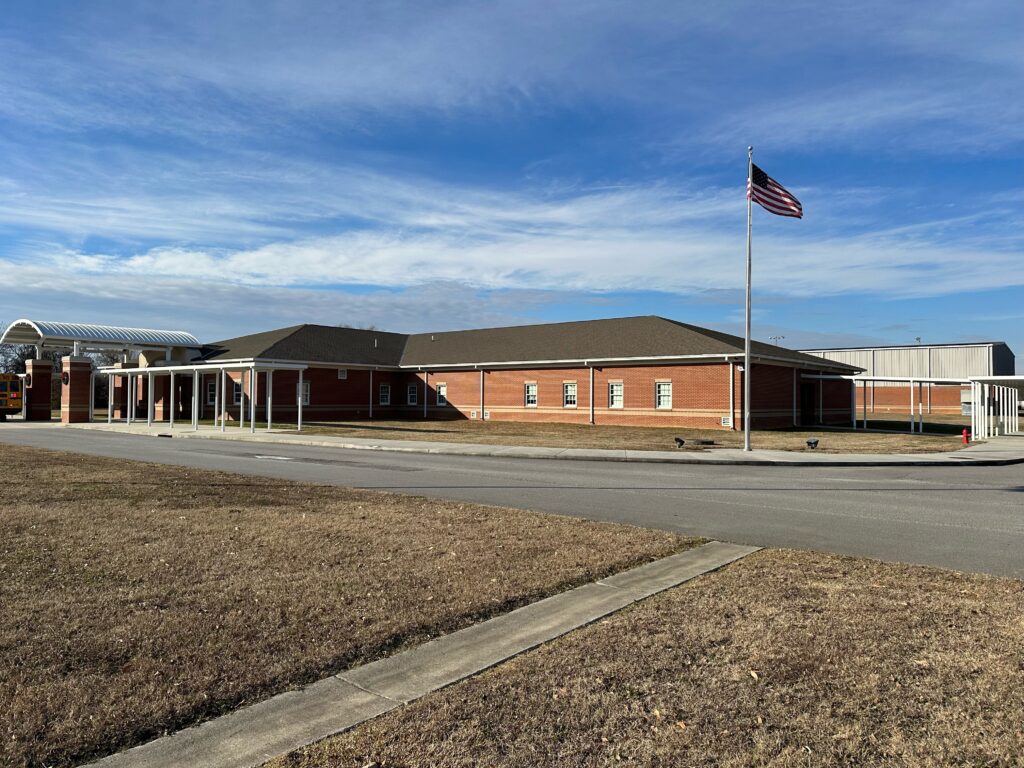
631, 438
782, 659
139, 598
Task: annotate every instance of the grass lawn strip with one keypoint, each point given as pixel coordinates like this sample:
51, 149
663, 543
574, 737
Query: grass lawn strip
646, 438
141, 598
782, 659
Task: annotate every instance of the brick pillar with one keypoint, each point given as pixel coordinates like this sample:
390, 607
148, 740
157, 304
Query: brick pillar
162, 395
37, 390
75, 390
119, 401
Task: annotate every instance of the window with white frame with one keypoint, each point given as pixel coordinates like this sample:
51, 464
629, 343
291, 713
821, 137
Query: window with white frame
305, 393
569, 394
442, 393
530, 394
412, 394
343, 373
663, 394
615, 394
236, 392
385, 394
211, 391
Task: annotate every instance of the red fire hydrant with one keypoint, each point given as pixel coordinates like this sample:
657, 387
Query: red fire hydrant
967, 435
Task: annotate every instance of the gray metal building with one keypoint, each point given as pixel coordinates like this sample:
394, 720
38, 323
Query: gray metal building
952, 361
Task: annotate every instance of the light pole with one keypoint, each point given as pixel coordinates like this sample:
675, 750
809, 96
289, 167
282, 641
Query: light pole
776, 339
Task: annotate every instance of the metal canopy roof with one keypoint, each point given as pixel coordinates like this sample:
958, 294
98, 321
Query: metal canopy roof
43, 333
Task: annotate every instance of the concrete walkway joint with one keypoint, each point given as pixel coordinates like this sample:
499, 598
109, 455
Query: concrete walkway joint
252, 735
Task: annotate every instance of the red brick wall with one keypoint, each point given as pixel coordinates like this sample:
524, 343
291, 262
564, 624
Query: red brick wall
700, 396
944, 399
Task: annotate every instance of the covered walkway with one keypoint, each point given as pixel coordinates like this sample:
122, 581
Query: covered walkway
197, 373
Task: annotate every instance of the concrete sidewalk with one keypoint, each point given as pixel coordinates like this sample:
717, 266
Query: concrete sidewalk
252, 735
995, 452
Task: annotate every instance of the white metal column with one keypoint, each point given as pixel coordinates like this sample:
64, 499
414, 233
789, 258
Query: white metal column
241, 397
732, 394
426, 387
912, 406
170, 401
254, 385
223, 399
853, 402
974, 410
129, 385
270, 398
150, 400
92, 396
481, 394
299, 392
110, 398
196, 387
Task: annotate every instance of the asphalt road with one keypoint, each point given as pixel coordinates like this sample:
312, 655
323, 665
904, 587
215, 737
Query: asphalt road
967, 518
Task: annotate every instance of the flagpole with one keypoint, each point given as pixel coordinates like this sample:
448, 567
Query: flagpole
746, 341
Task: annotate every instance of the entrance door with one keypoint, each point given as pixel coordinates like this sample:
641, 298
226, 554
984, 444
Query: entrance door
807, 404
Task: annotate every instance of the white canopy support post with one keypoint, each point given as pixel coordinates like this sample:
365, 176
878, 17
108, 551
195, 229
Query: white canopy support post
299, 399
92, 396
270, 398
216, 400
920, 407
986, 405
170, 401
974, 411
128, 384
110, 398
864, 395
223, 399
254, 385
150, 400
911, 406
426, 387
241, 396
853, 403
196, 387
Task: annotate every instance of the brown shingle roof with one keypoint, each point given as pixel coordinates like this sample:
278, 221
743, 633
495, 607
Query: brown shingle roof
643, 337
314, 343
626, 337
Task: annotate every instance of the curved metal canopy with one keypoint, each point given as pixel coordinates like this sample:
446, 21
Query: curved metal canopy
43, 333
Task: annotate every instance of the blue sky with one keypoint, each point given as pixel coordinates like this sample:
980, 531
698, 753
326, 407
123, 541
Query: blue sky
230, 167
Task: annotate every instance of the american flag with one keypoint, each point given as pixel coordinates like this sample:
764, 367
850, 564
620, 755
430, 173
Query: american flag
772, 196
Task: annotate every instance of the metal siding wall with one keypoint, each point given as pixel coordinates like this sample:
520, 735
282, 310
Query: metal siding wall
858, 357
960, 362
946, 362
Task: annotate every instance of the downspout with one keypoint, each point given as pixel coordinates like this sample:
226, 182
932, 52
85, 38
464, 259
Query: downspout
591, 394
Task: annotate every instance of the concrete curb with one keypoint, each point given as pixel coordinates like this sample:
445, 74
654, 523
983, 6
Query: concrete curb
250, 736
640, 457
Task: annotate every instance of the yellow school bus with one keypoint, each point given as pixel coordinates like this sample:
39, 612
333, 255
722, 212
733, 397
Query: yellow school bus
11, 394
